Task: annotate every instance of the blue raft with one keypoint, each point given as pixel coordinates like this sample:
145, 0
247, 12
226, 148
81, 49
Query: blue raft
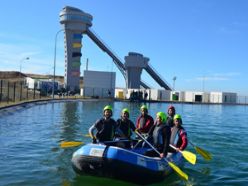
125, 164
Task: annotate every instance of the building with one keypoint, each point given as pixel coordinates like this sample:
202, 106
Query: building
223, 97
44, 85
204, 97
98, 84
196, 96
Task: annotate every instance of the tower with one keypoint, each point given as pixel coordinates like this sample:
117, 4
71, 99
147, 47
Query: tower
134, 64
75, 23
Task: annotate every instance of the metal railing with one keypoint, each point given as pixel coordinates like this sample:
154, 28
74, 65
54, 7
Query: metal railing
107, 49
155, 75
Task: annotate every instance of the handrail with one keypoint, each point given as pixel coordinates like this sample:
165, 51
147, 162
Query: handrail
106, 49
155, 75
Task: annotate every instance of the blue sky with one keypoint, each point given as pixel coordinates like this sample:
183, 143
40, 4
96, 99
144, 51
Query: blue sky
204, 43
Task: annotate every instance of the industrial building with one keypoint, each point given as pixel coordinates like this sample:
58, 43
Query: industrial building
77, 23
99, 84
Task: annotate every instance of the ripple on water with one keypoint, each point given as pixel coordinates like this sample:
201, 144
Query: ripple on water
30, 137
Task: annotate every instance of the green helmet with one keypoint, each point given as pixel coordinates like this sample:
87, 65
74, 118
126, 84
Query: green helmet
177, 116
125, 110
143, 107
108, 107
162, 116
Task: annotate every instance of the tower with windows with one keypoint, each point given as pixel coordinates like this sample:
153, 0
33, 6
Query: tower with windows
75, 23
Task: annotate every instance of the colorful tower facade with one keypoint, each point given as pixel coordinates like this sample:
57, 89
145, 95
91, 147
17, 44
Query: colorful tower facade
75, 23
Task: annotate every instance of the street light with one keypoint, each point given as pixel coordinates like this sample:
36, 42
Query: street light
26, 58
174, 80
54, 62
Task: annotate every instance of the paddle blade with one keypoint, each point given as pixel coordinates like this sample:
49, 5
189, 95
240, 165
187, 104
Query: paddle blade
87, 135
206, 155
178, 171
189, 156
65, 144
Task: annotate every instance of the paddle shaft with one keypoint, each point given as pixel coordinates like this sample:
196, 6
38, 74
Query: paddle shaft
175, 148
189, 156
149, 144
192, 144
172, 165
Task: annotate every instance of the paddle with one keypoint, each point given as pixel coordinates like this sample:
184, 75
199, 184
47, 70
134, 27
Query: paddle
206, 155
189, 156
172, 165
65, 144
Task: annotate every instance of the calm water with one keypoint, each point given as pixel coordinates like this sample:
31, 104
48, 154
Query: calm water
30, 137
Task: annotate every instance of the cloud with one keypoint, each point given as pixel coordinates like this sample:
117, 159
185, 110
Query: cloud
15, 47
218, 77
12, 56
215, 77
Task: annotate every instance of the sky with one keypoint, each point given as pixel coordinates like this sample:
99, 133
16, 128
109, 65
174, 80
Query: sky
203, 43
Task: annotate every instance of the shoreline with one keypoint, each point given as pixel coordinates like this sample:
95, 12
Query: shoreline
48, 100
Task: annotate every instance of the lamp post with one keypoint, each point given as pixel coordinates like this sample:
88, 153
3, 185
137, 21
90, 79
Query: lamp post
174, 80
26, 58
54, 61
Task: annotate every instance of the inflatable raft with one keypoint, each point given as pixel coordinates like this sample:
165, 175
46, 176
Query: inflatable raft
126, 164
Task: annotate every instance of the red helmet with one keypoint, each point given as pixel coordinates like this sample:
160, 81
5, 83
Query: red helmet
172, 108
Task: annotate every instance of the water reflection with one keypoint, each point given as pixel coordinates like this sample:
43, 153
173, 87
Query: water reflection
70, 121
30, 137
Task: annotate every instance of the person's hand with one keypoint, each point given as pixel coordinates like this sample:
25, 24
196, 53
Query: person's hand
161, 155
94, 140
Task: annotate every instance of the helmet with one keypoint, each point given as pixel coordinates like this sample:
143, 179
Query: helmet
177, 116
108, 107
143, 107
125, 110
171, 107
162, 116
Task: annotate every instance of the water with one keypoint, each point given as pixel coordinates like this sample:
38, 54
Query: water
30, 138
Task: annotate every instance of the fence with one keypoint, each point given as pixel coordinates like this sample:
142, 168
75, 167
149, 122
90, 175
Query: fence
16, 91
242, 100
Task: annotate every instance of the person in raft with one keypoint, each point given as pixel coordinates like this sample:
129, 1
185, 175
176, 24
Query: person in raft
105, 127
178, 135
124, 126
124, 130
144, 121
160, 134
171, 112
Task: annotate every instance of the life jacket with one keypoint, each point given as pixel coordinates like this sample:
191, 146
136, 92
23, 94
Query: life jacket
144, 123
141, 122
105, 129
158, 135
175, 136
123, 128
170, 121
